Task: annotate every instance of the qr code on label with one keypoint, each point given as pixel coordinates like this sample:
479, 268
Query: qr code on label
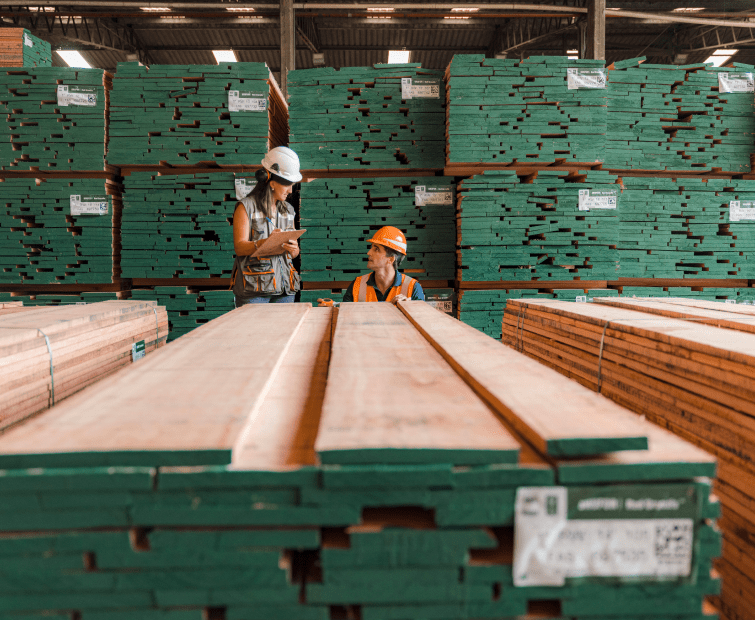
673, 541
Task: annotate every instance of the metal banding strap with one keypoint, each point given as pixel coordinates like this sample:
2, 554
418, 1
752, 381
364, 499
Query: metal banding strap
600, 354
517, 338
157, 326
52, 374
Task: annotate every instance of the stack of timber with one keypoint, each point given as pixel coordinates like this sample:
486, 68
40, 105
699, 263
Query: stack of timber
738, 295
20, 48
229, 114
380, 117
321, 501
504, 112
58, 230
341, 214
56, 119
678, 118
686, 364
36, 299
539, 228
177, 226
48, 354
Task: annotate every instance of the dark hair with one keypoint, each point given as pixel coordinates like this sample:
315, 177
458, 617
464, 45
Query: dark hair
397, 256
263, 193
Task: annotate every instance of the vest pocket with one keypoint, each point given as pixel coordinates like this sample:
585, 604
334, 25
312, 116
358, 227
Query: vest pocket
260, 282
294, 279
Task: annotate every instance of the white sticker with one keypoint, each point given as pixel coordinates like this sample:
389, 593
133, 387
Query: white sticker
77, 95
597, 199
581, 299
88, 205
244, 101
138, 350
443, 305
27, 40
433, 195
244, 187
730, 301
742, 211
420, 88
736, 83
585, 78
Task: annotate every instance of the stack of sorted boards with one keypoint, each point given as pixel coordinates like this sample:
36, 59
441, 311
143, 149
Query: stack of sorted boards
48, 354
685, 364
56, 119
20, 48
229, 114
339, 216
278, 485
380, 117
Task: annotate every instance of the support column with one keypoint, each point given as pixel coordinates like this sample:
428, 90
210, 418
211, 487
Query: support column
596, 29
288, 43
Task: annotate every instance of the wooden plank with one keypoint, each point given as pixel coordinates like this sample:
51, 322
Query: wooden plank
391, 398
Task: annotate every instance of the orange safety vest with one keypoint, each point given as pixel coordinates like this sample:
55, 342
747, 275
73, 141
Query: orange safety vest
364, 292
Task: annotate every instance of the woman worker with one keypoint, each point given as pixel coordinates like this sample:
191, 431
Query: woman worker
272, 279
386, 282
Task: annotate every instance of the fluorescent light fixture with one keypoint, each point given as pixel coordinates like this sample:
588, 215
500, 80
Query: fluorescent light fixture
44, 9
572, 54
379, 10
398, 57
162, 9
74, 59
721, 57
240, 9
688, 9
224, 56
464, 10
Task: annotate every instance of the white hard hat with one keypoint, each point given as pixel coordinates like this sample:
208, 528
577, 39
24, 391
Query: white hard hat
283, 162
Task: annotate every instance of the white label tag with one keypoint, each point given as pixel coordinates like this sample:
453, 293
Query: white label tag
581, 299
420, 88
244, 101
27, 40
433, 195
77, 95
742, 211
585, 78
244, 187
597, 199
730, 301
736, 83
138, 350
88, 205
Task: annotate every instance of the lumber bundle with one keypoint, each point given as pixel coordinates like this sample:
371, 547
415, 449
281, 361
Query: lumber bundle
177, 226
48, 354
675, 118
384, 117
555, 226
341, 214
53, 299
56, 230
505, 111
20, 48
56, 119
229, 114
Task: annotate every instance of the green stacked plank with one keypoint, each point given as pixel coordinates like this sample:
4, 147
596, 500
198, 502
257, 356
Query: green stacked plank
177, 225
20, 48
187, 310
183, 114
740, 295
505, 110
341, 214
358, 117
57, 118
58, 300
42, 238
666, 117
512, 230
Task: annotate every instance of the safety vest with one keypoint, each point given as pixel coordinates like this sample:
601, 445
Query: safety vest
364, 292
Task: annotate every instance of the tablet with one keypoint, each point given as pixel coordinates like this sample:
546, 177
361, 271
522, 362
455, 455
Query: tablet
273, 245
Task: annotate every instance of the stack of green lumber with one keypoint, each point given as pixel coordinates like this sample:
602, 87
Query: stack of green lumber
511, 230
180, 114
506, 110
57, 299
20, 48
666, 117
177, 225
42, 134
359, 116
187, 308
41, 242
339, 216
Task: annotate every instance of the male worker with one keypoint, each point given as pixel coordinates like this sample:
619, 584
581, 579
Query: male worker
385, 283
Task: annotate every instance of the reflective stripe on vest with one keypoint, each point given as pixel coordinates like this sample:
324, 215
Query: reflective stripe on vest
364, 292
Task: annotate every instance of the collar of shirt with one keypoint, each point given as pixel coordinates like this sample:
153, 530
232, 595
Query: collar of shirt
371, 280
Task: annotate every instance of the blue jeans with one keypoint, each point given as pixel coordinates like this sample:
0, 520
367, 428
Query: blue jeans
266, 299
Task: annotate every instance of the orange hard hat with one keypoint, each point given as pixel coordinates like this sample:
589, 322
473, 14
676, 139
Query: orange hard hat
390, 237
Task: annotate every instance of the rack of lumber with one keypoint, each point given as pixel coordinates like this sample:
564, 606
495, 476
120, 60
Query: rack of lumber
245, 501
229, 114
47, 354
57, 299
20, 48
685, 364
381, 117
341, 214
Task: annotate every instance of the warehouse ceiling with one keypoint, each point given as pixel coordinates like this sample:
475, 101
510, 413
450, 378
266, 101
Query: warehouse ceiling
361, 33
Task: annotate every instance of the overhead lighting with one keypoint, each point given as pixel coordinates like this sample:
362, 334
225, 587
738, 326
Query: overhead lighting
720, 57
240, 9
74, 59
688, 9
379, 10
572, 54
398, 57
469, 10
44, 9
224, 56
155, 9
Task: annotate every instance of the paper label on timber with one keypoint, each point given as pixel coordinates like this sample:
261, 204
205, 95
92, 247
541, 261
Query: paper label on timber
742, 211
27, 40
245, 101
582, 299
644, 531
433, 195
88, 205
244, 186
597, 199
585, 78
77, 95
138, 350
420, 88
736, 83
